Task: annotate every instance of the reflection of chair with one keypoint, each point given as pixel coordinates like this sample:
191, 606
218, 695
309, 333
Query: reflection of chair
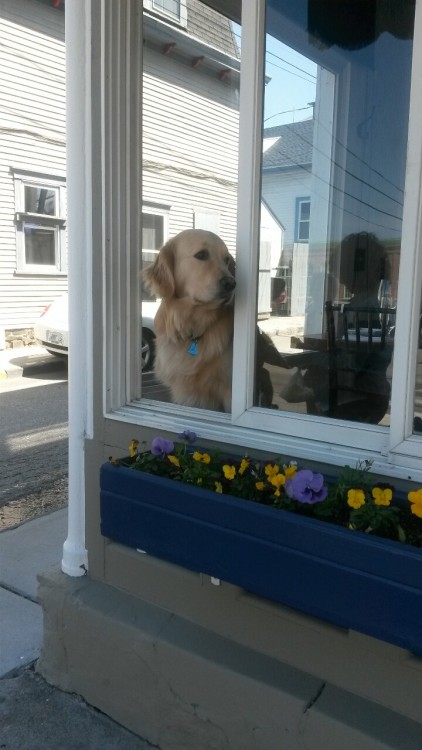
360, 346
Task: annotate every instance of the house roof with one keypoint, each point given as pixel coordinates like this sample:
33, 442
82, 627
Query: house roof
207, 42
292, 145
211, 27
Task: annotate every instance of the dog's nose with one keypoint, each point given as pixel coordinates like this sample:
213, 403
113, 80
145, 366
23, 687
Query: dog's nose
227, 283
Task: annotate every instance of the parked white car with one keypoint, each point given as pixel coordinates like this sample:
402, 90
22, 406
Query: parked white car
52, 330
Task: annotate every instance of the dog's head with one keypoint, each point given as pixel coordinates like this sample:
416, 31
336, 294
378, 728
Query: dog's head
195, 264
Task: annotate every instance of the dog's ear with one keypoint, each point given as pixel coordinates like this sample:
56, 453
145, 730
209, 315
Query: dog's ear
159, 278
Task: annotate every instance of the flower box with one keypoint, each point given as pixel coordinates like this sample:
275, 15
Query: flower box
350, 579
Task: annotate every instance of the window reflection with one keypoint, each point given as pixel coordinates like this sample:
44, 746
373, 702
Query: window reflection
190, 123
417, 421
333, 171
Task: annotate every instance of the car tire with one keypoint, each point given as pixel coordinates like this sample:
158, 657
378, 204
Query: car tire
147, 350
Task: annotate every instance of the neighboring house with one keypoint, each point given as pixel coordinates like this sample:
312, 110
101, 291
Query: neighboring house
33, 254
189, 167
286, 187
191, 121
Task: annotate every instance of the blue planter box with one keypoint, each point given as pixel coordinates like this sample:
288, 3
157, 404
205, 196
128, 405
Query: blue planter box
347, 578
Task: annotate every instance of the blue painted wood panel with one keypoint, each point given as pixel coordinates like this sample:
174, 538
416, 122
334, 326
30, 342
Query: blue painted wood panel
347, 578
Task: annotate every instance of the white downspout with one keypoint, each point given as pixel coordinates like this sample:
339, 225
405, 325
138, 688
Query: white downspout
78, 117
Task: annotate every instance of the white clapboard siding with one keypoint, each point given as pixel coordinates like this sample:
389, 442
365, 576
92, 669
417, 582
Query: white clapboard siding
32, 138
190, 141
280, 191
190, 146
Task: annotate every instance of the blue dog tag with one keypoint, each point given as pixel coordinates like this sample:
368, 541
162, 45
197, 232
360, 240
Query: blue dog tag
193, 349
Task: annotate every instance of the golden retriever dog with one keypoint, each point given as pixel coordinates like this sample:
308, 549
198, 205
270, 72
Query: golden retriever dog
194, 277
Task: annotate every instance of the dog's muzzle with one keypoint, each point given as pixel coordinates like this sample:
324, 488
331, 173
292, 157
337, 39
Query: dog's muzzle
227, 285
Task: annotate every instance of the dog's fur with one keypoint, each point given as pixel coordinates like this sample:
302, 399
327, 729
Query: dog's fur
194, 276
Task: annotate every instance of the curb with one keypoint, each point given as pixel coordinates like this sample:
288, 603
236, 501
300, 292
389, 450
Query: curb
26, 360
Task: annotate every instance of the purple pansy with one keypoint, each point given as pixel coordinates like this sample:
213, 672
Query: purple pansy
306, 487
188, 436
161, 447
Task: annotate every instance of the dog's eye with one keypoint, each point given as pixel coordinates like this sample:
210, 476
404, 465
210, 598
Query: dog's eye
202, 255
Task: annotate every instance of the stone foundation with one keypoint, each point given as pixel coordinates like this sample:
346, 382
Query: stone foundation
19, 337
181, 686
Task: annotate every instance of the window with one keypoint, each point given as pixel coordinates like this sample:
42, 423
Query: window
340, 151
303, 212
40, 224
154, 235
175, 10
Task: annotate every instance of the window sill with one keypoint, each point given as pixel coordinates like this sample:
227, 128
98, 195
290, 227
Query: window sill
366, 584
43, 272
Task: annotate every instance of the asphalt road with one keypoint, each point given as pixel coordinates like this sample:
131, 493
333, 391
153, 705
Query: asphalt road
33, 440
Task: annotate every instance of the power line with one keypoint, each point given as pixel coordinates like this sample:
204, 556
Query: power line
287, 111
347, 171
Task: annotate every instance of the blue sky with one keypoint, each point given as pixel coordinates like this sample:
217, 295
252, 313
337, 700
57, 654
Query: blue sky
292, 84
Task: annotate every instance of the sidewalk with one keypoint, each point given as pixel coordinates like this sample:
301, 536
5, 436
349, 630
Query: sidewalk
33, 714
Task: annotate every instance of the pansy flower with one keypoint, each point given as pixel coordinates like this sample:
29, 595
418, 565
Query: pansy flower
133, 448
277, 481
415, 498
229, 471
382, 495
161, 447
306, 487
271, 470
188, 436
243, 466
203, 458
173, 459
355, 498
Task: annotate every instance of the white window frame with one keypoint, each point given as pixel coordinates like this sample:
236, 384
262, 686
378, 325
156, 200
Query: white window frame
55, 223
396, 452
300, 203
154, 209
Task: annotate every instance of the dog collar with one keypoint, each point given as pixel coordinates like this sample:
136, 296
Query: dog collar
193, 347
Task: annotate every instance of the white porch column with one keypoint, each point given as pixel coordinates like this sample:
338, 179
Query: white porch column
78, 113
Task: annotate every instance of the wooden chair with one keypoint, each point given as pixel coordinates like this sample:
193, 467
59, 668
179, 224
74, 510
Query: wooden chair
360, 346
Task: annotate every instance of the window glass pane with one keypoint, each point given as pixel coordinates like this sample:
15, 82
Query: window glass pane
169, 6
335, 129
152, 235
190, 123
40, 200
39, 245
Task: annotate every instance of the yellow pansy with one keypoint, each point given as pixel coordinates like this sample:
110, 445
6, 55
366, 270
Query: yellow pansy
243, 465
204, 458
416, 509
355, 498
260, 485
277, 481
290, 470
173, 459
382, 496
415, 498
271, 470
133, 448
229, 471
218, 487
